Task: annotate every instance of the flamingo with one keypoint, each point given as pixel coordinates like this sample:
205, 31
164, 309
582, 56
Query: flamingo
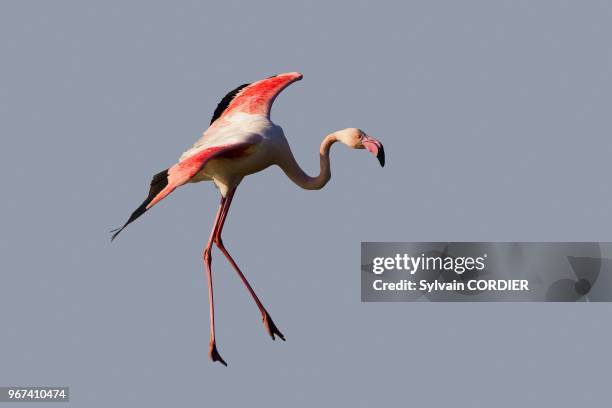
242, 140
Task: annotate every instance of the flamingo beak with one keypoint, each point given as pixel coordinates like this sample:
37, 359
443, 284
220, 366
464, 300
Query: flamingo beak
375, 147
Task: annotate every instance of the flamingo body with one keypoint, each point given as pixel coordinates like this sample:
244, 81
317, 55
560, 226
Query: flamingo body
227, 170
242, 140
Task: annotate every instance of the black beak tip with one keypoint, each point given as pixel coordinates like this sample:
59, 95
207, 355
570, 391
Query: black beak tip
381, 156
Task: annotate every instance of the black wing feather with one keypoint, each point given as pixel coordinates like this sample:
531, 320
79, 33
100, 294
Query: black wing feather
160, 180
227, 99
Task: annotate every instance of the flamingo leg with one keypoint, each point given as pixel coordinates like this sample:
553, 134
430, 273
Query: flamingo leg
212, 350
267, 320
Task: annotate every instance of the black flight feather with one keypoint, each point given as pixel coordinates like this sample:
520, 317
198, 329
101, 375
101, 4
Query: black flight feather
227, 99
160, 180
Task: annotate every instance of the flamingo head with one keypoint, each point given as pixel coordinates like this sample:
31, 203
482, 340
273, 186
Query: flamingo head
358, 139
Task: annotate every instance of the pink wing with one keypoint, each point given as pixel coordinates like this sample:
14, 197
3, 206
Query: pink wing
166, 181
256, 98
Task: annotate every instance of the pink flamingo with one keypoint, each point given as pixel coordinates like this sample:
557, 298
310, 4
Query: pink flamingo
242, 140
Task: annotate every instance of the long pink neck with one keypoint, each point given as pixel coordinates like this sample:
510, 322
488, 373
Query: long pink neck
299, 177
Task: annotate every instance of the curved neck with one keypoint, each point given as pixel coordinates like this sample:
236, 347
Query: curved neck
299, 177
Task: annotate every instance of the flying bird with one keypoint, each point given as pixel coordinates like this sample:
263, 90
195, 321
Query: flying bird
242, 140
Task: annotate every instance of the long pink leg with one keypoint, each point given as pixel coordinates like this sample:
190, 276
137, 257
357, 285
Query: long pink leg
270, 326
212, 350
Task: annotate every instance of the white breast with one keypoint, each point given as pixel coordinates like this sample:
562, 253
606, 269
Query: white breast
238, 128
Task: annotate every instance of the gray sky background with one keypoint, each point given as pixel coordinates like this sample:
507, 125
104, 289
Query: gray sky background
496, 122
